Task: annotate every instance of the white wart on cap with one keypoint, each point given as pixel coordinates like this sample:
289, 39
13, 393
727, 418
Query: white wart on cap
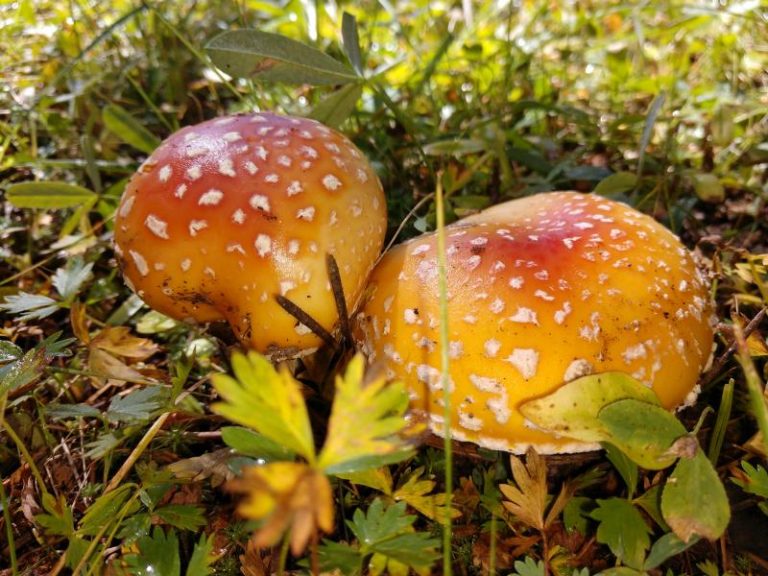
227, 214
541, 290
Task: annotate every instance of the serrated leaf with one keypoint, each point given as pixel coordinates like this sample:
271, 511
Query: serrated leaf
59, 520
366, 421
345, 558
50, 195
65, 411
69, 279
182, 516
137, 406
572, 410
249, 443
756, 481
158, 554
29, 306
526, 499
623, 529
103, 445
267, 401
389, 531
275, 58
337, 107
616, 184
416, 492
644, 432
529, 567
380, 479
9, 352
129, 129
285, 496
694, 502
105, 510
202, 557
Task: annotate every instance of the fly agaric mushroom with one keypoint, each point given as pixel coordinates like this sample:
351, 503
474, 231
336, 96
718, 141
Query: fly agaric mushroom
541, 291
227, 216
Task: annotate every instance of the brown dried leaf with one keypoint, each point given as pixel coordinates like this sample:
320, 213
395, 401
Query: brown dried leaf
119, 341
214, 465
285, 496
526, 499
104, 365
78, 319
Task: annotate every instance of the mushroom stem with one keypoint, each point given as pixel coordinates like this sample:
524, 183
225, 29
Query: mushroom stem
334, 276
300, 315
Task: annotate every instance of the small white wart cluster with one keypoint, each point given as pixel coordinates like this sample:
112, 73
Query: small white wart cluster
541, 291
228, 213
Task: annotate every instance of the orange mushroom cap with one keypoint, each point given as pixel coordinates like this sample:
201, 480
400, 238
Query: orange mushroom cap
541, 290
227, 214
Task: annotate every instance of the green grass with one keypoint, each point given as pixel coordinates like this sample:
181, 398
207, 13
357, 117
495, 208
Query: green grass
660, 105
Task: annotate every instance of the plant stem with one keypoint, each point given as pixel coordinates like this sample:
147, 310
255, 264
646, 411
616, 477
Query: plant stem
444, 369
137, 452
754, 384
8, 529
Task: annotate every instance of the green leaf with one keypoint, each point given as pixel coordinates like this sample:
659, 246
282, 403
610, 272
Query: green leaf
388, 531
650, 120
625, 466
9, 352
50, 195
623, 529
106, 510
182, 516
365, 423
29, 306
57, 411
275, 58
708, 187
694, 502
644, 432
129, 129
249, 443
345, 558
572, 410
616, 184
267, 401
455, 147
138, 405
202, 557
334, 109
416, 492
575, 514
756, 481
529, 567
351, 40
103, 445
158, 554
665, 548
22, 372
59, 519
69, 280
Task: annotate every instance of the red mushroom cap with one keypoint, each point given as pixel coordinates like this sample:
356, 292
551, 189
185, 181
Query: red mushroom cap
227, 214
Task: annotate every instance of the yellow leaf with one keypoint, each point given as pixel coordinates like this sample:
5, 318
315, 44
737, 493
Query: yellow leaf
367, 423
286, 496
415, 491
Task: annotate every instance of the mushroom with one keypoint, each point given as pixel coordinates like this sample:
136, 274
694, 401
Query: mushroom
540, 291
234, 217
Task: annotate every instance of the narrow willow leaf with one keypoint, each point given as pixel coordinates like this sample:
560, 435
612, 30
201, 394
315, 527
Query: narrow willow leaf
337, 107
351, 41
272, 57
129, 129
50, 195
616, 184
694, 502
643, 431
572, 410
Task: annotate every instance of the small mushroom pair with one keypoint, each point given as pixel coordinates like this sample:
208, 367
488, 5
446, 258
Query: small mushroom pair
229, 218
